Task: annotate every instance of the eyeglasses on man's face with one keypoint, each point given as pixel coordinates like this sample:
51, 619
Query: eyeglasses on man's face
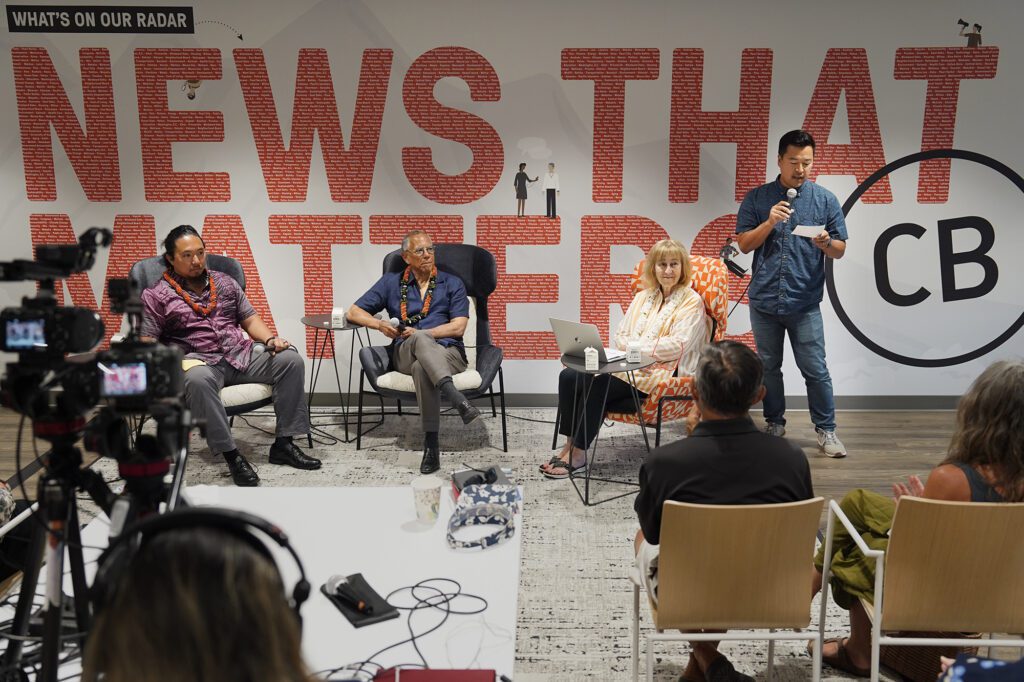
423, 251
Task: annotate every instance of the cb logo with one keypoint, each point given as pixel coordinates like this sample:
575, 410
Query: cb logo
946, 287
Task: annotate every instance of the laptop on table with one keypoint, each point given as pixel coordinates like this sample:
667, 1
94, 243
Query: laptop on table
574, 337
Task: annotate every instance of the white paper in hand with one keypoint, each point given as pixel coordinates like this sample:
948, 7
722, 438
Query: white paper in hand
809, 231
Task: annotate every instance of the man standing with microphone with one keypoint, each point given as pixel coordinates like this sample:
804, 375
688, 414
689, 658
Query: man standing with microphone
788, 282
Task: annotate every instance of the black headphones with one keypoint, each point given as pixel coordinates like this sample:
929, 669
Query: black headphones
118, 556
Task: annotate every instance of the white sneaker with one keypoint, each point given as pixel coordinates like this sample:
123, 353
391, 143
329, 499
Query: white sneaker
830, 444
773, 429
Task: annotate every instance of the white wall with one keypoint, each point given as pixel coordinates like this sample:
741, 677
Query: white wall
521, 53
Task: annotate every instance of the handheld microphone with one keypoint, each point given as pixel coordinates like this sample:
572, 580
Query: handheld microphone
397, 324
791, 194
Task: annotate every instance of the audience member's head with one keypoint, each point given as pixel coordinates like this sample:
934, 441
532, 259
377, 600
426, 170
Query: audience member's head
196, 604
664, 253
729, 379
990, 427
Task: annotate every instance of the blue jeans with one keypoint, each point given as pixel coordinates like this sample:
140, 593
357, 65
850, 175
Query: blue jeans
807, 338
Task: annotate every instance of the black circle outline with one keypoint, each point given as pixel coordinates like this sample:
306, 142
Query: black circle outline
848, 205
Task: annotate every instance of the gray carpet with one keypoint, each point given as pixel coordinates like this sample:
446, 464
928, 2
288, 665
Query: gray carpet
575, 600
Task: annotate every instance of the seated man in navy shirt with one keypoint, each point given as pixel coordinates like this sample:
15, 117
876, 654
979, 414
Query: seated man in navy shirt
726, 460
433, 311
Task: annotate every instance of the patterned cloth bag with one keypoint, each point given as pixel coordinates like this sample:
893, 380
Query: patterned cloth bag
485, 504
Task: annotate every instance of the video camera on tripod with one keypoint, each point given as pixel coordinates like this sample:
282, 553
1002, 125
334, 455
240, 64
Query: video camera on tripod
131, 375
132, 378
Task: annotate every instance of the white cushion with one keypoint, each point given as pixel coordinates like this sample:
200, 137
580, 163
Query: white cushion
396, 381
469, 337
464, 381
243, 394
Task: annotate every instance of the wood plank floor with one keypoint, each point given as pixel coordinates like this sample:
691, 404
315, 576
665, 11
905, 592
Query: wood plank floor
8, 442
884, 447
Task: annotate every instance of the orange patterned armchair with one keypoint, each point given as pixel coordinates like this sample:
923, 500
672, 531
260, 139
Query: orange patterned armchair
672, 399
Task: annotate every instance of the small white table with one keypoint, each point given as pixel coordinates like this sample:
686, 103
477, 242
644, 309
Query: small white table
374, 531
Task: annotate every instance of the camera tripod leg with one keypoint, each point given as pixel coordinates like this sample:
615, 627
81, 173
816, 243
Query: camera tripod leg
83, 614
178, 480
48, 536
54, 499
26, 596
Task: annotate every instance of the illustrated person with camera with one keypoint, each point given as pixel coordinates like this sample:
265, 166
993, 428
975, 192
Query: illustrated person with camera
974, 36
207, 315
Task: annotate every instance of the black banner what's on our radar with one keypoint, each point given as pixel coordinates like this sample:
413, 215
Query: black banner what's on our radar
98, 19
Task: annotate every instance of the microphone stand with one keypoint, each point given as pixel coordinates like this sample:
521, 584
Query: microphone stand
726, 253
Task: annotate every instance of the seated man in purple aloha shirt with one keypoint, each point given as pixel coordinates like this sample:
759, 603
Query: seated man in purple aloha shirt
207, 315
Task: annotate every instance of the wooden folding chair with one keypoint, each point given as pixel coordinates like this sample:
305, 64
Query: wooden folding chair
949, 566
723, 567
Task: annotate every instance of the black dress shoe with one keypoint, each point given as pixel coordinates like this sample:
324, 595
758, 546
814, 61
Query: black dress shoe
431, 461
721, 670
291, 455
242, 472
467, 412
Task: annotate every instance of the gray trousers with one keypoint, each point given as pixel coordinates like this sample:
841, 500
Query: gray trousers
428, 362
284, 371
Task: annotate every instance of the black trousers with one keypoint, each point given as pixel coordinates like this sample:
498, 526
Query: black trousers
551, 203
571, 388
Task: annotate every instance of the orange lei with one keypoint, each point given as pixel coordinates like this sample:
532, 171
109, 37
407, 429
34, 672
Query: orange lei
403, 296
200, 310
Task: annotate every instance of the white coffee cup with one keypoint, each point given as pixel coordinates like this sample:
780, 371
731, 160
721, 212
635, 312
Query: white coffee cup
426, 491
590, 359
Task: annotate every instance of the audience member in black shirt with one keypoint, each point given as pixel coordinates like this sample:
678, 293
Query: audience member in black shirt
725, 460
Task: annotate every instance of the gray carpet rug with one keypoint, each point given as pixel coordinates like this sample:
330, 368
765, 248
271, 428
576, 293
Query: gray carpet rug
575, 600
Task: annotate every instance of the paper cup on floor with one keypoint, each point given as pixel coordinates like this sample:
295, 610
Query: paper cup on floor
426, 491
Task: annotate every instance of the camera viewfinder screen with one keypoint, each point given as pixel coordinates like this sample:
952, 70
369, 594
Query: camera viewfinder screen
26, 334
124, 380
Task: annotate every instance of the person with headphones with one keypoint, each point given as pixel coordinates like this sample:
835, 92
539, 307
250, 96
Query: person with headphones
194, 595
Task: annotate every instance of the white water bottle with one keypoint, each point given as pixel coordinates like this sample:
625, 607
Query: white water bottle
590, 358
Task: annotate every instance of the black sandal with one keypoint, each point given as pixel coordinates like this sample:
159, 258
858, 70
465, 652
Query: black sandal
840, 660
551, 462
560, 469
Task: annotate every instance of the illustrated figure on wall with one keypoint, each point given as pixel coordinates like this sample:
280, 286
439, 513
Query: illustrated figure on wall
520, 182
189, 87
551, 189
974, 37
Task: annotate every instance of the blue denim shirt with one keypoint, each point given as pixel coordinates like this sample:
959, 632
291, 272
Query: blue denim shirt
789, 271
449, 301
